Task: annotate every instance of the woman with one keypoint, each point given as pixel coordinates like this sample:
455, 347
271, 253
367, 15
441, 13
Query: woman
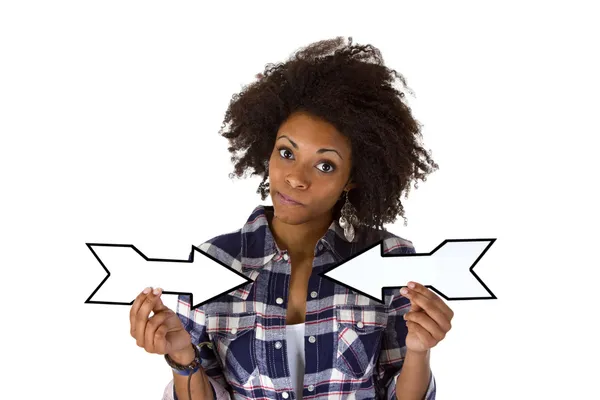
336, 148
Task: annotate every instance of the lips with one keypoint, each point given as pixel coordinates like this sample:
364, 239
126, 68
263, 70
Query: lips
288, 200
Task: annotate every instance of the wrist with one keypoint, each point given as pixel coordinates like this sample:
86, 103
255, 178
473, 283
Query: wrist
185, 356
417, 354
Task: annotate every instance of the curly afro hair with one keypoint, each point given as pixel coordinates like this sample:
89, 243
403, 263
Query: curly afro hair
348, 86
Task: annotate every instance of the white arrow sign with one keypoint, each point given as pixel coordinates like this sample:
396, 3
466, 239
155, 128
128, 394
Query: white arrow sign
129, 272
448, 270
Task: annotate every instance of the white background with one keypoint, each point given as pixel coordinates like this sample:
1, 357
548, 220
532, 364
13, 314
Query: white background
109, 118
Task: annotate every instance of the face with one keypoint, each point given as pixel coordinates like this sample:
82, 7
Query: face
309, 169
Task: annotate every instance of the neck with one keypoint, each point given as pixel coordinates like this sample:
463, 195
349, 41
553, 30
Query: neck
300, 240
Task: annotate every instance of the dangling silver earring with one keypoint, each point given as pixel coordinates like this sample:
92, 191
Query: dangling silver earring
348, 219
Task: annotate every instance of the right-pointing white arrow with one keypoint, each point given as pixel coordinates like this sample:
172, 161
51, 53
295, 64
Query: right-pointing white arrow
448, 270
129, 272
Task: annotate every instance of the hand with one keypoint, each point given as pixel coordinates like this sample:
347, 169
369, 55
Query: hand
429, 318
163, 333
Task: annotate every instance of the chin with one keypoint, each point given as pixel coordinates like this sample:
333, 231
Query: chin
290, 216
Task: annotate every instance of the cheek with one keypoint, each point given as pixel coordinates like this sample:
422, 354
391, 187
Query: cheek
329, 191
275, 168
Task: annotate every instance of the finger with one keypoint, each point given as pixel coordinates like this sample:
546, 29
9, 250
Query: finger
432, 296
426, 322
156, 322
161, 344
413, 307
137, 303
430, 307
416, 286
159, 305
421, 333
141, 318
170, 334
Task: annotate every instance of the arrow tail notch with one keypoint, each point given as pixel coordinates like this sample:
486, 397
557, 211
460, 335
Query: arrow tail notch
454, 262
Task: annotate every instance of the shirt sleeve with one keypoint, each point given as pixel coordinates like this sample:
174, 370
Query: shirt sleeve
393, 346
194, 322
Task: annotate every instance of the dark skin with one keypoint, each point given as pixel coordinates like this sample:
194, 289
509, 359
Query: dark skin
310, 163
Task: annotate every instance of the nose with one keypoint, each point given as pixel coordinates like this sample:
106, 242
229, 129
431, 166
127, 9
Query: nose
297, 179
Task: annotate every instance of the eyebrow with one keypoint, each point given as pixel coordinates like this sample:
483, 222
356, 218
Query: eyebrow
320, 151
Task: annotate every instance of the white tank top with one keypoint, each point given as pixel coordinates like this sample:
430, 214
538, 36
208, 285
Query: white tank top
295, 352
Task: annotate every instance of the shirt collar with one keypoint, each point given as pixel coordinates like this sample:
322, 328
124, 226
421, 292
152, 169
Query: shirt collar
259, 247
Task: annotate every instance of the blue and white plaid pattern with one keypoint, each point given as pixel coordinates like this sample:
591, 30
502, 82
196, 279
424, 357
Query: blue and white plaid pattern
354, 346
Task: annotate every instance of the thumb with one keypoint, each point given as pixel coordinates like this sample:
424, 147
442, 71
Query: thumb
158, 304
413, 306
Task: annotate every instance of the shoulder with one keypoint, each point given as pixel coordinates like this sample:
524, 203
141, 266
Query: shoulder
396, 244
392, 243
227, 245
244, 241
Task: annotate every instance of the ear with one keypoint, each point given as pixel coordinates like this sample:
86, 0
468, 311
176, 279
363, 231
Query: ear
349, 186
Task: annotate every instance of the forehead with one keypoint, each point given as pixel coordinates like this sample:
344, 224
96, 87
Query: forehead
310, 131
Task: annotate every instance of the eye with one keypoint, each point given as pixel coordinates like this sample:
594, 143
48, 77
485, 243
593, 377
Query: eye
325, 167
285, 153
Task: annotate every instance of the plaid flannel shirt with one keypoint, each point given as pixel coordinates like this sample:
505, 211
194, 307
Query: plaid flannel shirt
354, 346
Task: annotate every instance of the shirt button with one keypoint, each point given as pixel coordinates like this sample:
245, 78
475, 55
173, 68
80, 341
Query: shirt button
311, 388
279, 300
278, 345
313, 295
320, 247
285, 395
233, 331
312, 339
359, 324
286, 257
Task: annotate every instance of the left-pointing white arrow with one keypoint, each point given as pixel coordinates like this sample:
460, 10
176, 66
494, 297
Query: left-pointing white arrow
448, 270
129, 271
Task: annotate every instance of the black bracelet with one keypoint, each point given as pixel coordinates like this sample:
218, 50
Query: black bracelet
186, 369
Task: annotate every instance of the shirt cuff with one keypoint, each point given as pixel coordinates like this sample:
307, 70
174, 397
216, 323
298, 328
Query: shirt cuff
219, 393
429, 395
